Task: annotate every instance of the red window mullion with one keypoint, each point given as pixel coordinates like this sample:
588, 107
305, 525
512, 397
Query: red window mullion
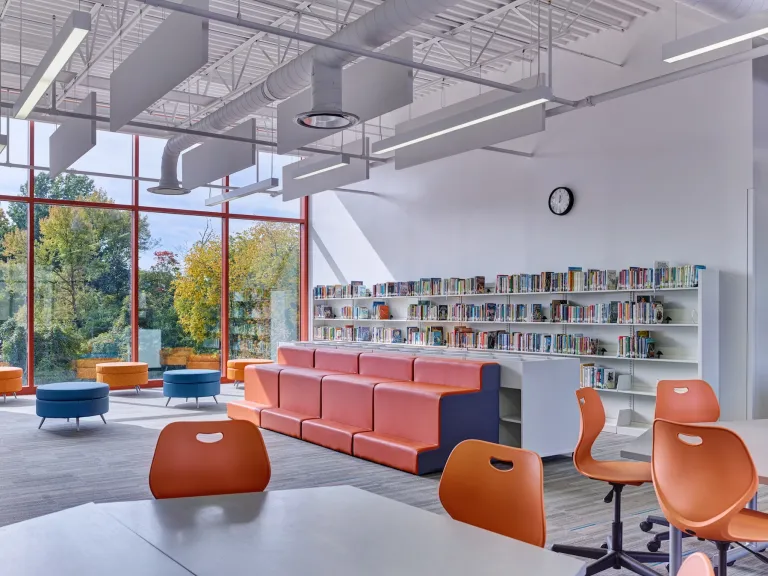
31, 262
225, 282
135, 220
304, 272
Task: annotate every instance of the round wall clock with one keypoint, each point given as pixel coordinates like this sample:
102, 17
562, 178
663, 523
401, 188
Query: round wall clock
561, 201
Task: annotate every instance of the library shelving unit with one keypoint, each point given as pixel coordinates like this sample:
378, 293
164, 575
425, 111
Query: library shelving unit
688, 340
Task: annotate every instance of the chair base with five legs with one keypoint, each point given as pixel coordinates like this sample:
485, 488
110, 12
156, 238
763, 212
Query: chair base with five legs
614, 556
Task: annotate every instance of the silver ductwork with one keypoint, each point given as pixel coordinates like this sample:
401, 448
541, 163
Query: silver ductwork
326, 113
379, 26
729, 9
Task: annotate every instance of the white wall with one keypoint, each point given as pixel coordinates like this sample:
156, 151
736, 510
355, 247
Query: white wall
660, 175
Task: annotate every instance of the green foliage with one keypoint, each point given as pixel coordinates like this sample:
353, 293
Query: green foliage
156, 309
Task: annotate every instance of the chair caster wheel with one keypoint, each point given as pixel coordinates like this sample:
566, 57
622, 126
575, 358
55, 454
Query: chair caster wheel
653, 546
646, 526
604, 546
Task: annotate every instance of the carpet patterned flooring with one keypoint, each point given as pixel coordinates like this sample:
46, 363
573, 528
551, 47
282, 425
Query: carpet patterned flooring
43, 471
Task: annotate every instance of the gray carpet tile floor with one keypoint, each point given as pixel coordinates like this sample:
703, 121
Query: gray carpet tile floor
43, 471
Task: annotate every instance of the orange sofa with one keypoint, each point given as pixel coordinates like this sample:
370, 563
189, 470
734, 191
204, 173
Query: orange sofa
394, 409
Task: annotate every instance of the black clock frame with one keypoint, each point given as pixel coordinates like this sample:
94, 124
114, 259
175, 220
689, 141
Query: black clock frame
570, 198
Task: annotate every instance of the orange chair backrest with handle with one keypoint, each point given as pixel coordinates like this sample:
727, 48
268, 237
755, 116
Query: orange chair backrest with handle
686, 401
209, 458
703, 476
592, 423
497, 488
696, 565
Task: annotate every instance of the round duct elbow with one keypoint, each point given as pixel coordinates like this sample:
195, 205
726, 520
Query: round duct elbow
326, 113
168, 190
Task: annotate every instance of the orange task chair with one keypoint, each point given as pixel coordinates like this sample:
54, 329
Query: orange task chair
688, 402
496, 488
703, 477
618, 474
696, 565
209, 458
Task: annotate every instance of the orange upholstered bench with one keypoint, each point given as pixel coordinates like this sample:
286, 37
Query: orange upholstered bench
417, 423
262, 385
347, 400
299, 390
122, 375
10, 380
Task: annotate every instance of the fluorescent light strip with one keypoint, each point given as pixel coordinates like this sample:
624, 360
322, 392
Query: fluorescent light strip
463, 125
70, 36
342, 161
717, 45
263, 186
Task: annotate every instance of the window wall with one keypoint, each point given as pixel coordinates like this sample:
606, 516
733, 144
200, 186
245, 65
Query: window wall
105, 271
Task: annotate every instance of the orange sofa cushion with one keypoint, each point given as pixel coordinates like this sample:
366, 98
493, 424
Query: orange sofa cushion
296, 356
391, 366
244, 410
348, 399
300, 390
390, 450
283, 421
262, 383
334, 435
411, 410
337, 360
450, 372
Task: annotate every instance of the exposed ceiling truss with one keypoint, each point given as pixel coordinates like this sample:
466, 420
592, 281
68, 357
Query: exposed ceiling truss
473, 37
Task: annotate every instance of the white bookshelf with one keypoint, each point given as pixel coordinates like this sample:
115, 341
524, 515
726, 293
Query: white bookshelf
689, 343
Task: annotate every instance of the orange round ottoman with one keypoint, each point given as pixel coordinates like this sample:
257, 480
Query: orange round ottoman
10, 380
236, 368
122, 375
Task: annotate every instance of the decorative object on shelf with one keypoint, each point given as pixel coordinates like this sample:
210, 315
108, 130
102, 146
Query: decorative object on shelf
561, 201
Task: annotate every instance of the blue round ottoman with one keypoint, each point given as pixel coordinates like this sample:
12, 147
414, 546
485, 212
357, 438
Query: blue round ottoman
72, 400
192, 384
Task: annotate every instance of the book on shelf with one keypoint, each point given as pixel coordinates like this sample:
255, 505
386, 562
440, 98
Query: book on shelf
642, 345
593, 376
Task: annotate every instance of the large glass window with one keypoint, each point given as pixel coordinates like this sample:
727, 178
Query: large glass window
13, 285
82, 291
180, 293
81, 272
263, 287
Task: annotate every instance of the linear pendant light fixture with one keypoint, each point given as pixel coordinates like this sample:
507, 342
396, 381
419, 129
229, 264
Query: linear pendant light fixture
263, 186
486, 113
72, 33
322, 165
714, 38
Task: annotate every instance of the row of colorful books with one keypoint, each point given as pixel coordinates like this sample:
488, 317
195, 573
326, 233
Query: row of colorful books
597, 377
574, 280
639, 346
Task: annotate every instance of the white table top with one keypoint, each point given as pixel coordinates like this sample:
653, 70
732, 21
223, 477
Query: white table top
78, 542
335, 531
753, 432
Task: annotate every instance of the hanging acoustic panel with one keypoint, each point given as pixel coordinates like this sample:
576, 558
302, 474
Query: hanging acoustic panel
73, 138
217, 158
370, 88
499, 129
174, 51
324, 172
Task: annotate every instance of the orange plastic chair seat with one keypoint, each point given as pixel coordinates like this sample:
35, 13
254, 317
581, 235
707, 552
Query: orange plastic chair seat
617, 472
749, 526
696, 565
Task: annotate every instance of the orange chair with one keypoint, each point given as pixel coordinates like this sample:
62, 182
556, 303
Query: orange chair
209, 458
618, 474
704, 476
508, 501
696, 565
689, 402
